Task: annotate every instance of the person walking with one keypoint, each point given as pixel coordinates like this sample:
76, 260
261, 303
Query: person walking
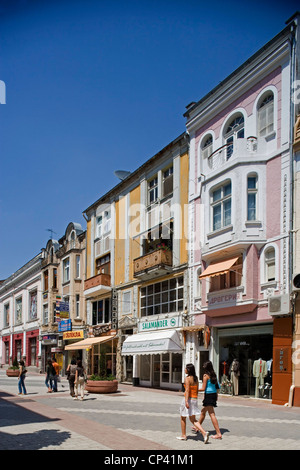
79, 380
71, 371
210, 386
189, 406
56, 376
22, 375
50, 372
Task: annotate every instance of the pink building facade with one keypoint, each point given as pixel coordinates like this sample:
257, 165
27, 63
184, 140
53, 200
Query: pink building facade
239, 218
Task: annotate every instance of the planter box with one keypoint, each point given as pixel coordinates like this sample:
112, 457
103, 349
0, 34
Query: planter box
101, 386
12, 373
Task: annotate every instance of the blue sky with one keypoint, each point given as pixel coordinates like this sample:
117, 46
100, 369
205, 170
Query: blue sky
96, 86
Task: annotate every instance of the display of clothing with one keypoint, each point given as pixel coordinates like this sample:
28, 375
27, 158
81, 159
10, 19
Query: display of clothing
234, 376
260, 371
269, 369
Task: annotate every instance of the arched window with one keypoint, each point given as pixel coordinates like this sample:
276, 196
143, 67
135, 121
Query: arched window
207, 146
270, 264
234, 130
265, 115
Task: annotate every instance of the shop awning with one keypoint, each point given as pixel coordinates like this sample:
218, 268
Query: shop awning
152, 343
216, 269
88, 343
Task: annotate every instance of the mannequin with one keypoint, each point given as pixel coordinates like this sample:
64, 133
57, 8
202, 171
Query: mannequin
259, 372
234, 376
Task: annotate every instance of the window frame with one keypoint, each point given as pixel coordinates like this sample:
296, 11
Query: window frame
237, 131
263, 107
252, 192
221, 202
156, 299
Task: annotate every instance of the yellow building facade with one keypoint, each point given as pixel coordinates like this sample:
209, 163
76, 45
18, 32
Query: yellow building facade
137, 279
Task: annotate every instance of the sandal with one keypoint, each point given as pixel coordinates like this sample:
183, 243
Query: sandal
206, 437
181, 438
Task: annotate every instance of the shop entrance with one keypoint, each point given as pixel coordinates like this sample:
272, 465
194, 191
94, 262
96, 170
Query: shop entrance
246, 349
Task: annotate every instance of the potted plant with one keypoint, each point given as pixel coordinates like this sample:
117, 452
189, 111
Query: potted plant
13, 371
101, 384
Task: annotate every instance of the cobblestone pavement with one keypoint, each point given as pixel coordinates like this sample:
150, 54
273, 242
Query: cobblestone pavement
134, 419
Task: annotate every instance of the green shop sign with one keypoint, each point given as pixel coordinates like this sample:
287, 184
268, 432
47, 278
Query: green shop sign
147, 325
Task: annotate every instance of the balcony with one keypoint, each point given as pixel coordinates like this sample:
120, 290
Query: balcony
96, 285
243, 147
151, 265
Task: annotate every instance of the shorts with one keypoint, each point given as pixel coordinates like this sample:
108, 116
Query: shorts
210, 399
192, 410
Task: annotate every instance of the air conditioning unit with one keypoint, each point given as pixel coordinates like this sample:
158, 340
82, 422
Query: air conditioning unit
279, 305
296, 282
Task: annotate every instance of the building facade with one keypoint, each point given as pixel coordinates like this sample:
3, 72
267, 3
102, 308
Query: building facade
63, 318
240, 216
20, 316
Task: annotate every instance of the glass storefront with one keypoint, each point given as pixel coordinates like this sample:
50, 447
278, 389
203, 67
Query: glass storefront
161, 370
245, 361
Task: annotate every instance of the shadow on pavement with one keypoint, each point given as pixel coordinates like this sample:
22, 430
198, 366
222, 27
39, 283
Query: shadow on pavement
33, 441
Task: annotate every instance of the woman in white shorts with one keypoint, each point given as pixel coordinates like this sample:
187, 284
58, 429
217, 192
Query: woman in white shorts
189, 405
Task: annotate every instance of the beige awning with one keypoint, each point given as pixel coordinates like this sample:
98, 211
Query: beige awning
216, 269
88, 343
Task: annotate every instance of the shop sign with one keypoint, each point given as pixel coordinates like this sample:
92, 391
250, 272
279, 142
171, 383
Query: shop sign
64, 310
73, 335
159, 324
49, 339
226, 300
99, 330
65, 325
114, 309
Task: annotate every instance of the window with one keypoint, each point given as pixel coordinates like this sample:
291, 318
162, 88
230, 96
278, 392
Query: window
73, 240
66, 270
153, 190
228, 280
221, 206
77, 306
126, 300
270, 264
33, 306
19, 311
46, 278
265, 115
6, 315
77, 266
45, 314
101, 311
207, 147
162, 297
99, 227
107, 222
252, 198
235, 130
167, 181
103, 264
54, 278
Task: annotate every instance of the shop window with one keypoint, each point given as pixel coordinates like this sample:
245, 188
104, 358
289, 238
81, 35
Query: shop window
162, 297
265, 115
101, 311
145, 368
221, 206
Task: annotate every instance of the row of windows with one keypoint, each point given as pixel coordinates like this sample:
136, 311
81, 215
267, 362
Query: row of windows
235, 129
32, 313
